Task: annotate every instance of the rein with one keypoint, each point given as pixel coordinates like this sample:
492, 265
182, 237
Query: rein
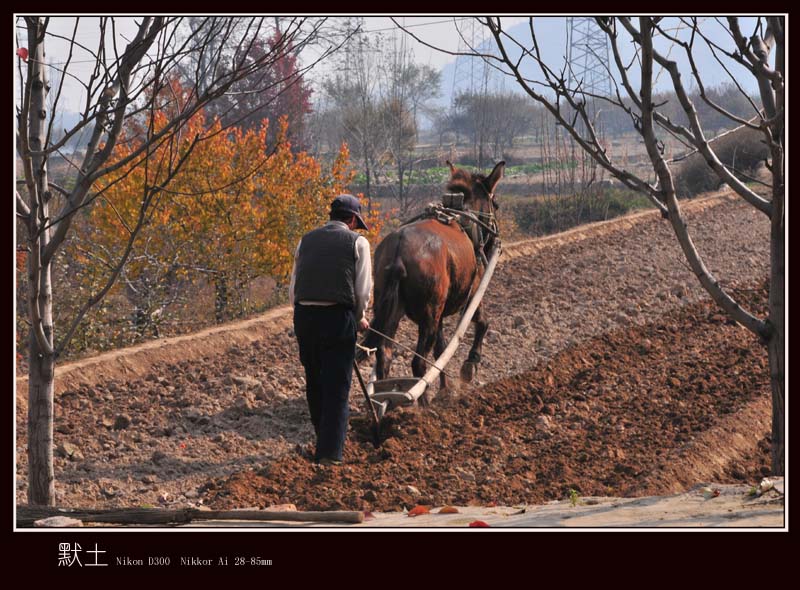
404, 347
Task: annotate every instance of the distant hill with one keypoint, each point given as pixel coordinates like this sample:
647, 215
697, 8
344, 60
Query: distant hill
552, 38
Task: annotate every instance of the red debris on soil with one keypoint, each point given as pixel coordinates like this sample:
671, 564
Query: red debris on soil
599, 418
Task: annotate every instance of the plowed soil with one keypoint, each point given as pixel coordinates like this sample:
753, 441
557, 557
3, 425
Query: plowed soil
603, 418
605, 370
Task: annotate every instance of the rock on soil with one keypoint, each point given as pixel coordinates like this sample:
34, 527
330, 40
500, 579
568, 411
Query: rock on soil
58, 522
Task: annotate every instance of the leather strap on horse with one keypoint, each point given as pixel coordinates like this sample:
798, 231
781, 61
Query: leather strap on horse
447, 214
433, 208
474, 216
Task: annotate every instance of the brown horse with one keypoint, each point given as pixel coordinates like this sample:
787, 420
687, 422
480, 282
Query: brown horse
428, 270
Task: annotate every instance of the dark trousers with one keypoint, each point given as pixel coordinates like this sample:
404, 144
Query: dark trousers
326, 337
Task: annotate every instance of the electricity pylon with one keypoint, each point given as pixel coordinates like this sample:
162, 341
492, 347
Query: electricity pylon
587, 57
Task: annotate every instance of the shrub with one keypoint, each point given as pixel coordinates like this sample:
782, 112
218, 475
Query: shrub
546, 214
742, 151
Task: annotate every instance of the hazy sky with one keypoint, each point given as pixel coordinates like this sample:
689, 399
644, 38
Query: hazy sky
438, 30
441, 31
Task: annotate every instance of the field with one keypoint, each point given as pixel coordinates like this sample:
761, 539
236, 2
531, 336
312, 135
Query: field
606, 371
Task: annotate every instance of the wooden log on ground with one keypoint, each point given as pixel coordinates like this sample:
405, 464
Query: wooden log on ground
340, 516
27, 515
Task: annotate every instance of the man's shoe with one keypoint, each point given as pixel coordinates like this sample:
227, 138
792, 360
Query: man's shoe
329, 462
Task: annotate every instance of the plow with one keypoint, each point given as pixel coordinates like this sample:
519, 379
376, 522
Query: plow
383, 395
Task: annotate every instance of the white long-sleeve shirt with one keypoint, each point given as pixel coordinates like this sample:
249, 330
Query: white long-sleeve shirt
363, 278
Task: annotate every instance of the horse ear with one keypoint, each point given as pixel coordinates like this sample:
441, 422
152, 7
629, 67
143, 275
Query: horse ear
452, 168
495, 176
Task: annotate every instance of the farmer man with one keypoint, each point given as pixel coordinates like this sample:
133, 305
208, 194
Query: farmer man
330, 290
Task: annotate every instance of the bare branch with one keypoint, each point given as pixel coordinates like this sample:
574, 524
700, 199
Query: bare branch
758, 58
22, 207
723, 299
149, 193
60, 86
687, 46
133, 53
713, 139
594, 149
715, 51
439, 49
697, 137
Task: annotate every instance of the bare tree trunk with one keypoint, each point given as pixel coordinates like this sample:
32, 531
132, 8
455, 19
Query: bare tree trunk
777, 365
220, 297
367, 173
41, 372
777, 317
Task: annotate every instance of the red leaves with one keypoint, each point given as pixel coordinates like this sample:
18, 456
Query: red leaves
478, 524
448, 510
417, 510
369, 516
22, 258
23, 53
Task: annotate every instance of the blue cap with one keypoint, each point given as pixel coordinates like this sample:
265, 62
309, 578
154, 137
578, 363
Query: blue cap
349, 204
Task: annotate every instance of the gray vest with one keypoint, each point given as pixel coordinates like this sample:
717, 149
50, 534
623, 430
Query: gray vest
326, 266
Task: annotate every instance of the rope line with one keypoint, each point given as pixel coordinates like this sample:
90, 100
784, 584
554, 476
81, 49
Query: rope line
412, 351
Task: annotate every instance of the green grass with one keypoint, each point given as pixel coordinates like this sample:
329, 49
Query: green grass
439, 175
536, 168
573, 497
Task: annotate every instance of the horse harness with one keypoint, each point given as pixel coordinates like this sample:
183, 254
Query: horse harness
478, 226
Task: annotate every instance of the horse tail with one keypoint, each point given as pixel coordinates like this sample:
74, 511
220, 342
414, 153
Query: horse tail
388, 309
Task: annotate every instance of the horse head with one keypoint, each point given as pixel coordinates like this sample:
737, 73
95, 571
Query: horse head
478, 190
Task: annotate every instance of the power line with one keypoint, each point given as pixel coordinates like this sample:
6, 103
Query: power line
394, 28
438, 22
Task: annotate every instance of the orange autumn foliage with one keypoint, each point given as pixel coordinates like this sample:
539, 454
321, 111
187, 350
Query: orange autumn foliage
232, 210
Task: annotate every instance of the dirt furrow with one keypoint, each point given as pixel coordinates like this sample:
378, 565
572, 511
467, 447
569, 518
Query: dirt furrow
151, 424
136, 361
